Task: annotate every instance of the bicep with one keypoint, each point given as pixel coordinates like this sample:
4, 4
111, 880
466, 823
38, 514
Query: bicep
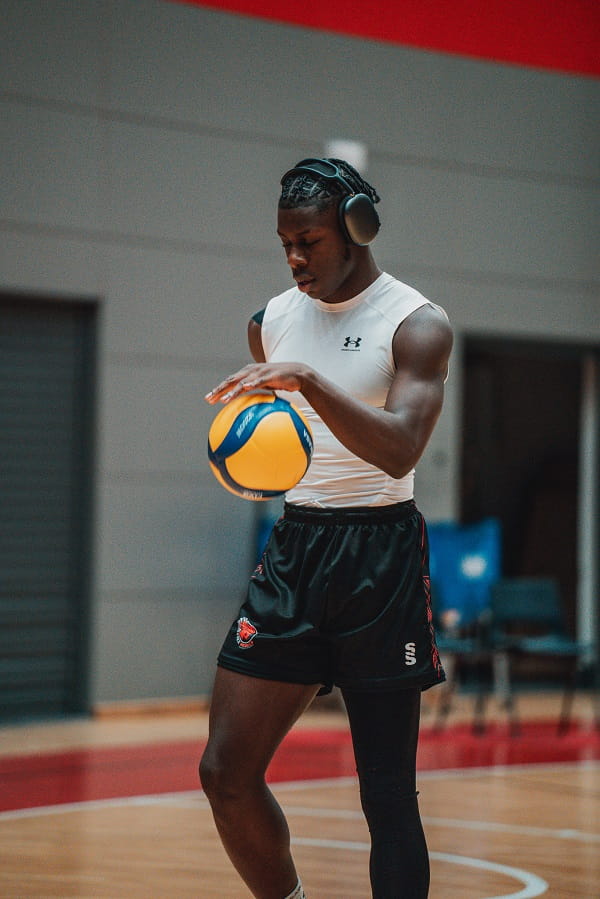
422, 346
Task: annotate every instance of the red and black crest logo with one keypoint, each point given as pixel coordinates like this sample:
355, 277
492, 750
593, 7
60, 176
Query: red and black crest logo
246, 632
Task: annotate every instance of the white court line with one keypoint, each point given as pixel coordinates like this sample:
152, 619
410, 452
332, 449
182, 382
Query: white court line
565, 833
456, 824
532, 884
194, 798
295, 785
41, 811
503, 770
457, 773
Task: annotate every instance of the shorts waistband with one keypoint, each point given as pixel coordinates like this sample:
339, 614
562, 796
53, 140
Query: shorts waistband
350, 514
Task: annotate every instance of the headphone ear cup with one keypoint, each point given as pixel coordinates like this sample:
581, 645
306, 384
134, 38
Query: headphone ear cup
358, 219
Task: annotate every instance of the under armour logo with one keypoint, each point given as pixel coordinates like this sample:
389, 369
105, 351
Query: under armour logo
352, 343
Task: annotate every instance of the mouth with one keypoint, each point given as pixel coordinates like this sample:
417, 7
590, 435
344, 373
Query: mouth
303, 282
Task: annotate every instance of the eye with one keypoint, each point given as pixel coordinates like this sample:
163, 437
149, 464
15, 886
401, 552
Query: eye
302, 244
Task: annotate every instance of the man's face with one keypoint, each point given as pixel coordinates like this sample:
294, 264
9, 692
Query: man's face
322, 263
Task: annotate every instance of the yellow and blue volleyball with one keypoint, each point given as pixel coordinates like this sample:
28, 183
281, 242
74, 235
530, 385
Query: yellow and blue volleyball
259, 446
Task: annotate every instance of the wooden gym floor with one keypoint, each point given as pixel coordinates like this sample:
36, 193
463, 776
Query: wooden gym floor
110, 806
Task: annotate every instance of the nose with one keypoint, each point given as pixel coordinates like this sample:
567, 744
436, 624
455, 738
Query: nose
296, 257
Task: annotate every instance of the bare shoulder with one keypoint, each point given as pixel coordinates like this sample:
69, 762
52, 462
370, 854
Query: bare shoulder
424, 340
255, 341
428, 321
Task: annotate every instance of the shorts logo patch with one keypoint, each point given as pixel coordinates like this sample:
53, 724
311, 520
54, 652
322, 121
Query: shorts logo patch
246, 632
410, 651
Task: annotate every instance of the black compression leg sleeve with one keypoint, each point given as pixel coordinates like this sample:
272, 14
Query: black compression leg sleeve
385, 728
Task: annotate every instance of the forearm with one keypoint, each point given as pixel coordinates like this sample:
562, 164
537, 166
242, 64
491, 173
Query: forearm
392, 441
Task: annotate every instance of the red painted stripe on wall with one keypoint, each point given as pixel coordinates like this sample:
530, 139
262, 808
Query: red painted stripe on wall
563, 35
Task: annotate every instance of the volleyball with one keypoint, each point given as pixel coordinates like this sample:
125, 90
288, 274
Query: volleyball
259, 446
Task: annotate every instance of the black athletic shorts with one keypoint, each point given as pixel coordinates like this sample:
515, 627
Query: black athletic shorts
340, 596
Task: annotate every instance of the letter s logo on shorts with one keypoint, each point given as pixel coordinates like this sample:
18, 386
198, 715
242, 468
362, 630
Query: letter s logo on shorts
245, 633
410, 653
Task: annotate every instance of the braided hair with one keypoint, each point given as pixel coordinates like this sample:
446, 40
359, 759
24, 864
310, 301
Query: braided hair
308, 189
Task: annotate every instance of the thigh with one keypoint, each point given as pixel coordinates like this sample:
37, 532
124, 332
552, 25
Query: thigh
249, 717
385, 731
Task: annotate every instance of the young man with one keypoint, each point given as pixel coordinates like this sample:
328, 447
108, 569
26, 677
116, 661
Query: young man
341, 595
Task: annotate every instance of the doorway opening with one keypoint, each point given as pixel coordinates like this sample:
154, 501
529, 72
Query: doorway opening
521, 454
47, 372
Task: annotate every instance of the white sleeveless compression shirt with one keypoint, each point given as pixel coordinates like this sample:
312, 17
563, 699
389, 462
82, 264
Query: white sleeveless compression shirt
351, 344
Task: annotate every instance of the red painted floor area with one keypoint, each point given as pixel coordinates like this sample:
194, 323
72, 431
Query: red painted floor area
89, 774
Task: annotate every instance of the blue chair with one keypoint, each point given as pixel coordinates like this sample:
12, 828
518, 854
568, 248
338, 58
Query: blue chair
527, 620
464, 563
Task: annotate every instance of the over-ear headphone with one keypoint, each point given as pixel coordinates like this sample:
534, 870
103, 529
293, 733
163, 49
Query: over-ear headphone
358, 217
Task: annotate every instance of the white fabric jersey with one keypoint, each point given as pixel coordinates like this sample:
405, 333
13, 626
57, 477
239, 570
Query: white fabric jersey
351, 344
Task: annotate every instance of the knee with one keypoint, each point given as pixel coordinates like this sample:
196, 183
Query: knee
222, 783
204, 772
213, 775
389, 803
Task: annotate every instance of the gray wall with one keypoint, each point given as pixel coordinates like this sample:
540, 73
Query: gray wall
141, 147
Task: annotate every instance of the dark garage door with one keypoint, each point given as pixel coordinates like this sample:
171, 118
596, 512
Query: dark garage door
46, 427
